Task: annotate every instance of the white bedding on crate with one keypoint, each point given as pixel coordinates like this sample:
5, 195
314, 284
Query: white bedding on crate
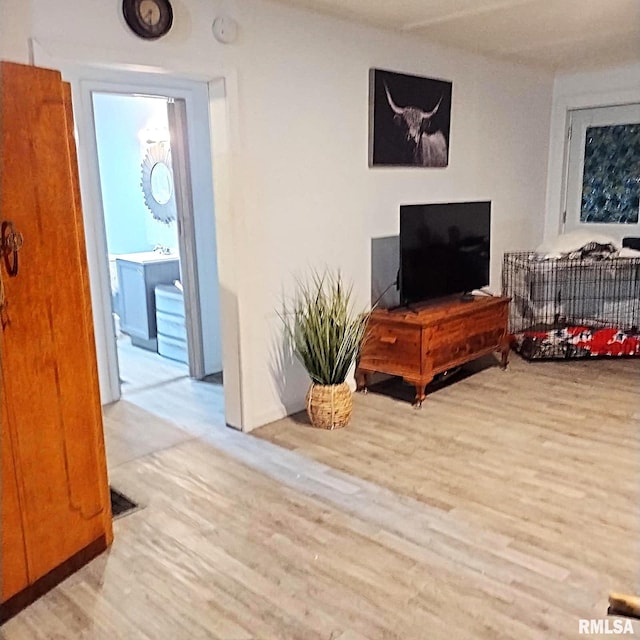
628, 252
573, 241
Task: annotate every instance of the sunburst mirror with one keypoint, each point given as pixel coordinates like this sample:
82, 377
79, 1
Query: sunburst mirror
157, 182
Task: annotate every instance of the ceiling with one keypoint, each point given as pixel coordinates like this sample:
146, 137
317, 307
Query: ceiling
555, 34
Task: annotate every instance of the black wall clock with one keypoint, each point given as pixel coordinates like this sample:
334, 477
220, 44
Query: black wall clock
148, 19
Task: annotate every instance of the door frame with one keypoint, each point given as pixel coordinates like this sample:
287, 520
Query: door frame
185, 222
222, 108
195, 97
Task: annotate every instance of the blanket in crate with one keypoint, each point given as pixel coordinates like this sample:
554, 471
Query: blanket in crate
576, 342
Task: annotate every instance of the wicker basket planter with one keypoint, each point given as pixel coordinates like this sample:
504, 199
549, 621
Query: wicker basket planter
329, 406
325, 332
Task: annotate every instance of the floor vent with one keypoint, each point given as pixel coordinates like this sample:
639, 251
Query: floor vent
120, 504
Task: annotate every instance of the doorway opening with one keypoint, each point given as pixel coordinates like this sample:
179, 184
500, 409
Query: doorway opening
149, 228
140, 221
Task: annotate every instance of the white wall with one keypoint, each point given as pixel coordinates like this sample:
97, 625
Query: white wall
302, 193
15, 30
613, 86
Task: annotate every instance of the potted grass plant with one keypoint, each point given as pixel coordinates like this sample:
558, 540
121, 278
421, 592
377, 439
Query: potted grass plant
325, 333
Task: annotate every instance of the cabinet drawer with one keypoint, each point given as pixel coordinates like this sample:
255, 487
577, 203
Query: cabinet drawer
491, 338
171, 326
465, 348
172, 348
447, 330
169, 299
392, 347
448, 355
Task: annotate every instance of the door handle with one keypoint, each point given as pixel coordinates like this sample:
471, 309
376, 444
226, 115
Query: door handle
11, 242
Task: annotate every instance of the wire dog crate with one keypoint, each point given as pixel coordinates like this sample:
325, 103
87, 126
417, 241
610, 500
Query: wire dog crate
572, 307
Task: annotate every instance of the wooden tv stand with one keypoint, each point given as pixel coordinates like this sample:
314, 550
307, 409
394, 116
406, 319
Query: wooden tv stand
430, 338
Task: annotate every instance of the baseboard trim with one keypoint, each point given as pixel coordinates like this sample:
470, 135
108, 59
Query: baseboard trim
24, 598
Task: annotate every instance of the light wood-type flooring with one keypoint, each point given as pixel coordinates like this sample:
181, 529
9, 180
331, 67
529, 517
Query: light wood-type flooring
507, 507
141, 369
161, 405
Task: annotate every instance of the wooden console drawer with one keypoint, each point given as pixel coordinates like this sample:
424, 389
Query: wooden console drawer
447, 330
448, 355
486, 339
397, 346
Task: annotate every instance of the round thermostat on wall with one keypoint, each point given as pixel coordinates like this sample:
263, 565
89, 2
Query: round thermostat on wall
225, 29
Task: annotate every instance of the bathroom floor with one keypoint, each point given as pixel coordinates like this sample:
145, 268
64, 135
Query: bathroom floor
143, 369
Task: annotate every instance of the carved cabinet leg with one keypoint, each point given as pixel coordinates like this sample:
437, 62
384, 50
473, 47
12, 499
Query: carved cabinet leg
420, 394
505, 348
361, 380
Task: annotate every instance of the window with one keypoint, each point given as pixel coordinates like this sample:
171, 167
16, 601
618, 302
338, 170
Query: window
603, 172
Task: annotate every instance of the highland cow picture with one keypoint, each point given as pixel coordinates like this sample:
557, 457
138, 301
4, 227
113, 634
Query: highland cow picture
409, 120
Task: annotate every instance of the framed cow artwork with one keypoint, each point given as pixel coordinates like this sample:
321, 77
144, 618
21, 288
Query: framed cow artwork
409, 120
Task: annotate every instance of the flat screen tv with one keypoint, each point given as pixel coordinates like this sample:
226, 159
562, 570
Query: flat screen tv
444, 249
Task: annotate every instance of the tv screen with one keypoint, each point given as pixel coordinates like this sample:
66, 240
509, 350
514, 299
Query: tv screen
444, 249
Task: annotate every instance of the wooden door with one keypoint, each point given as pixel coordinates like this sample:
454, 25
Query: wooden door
13, 561
51, 409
